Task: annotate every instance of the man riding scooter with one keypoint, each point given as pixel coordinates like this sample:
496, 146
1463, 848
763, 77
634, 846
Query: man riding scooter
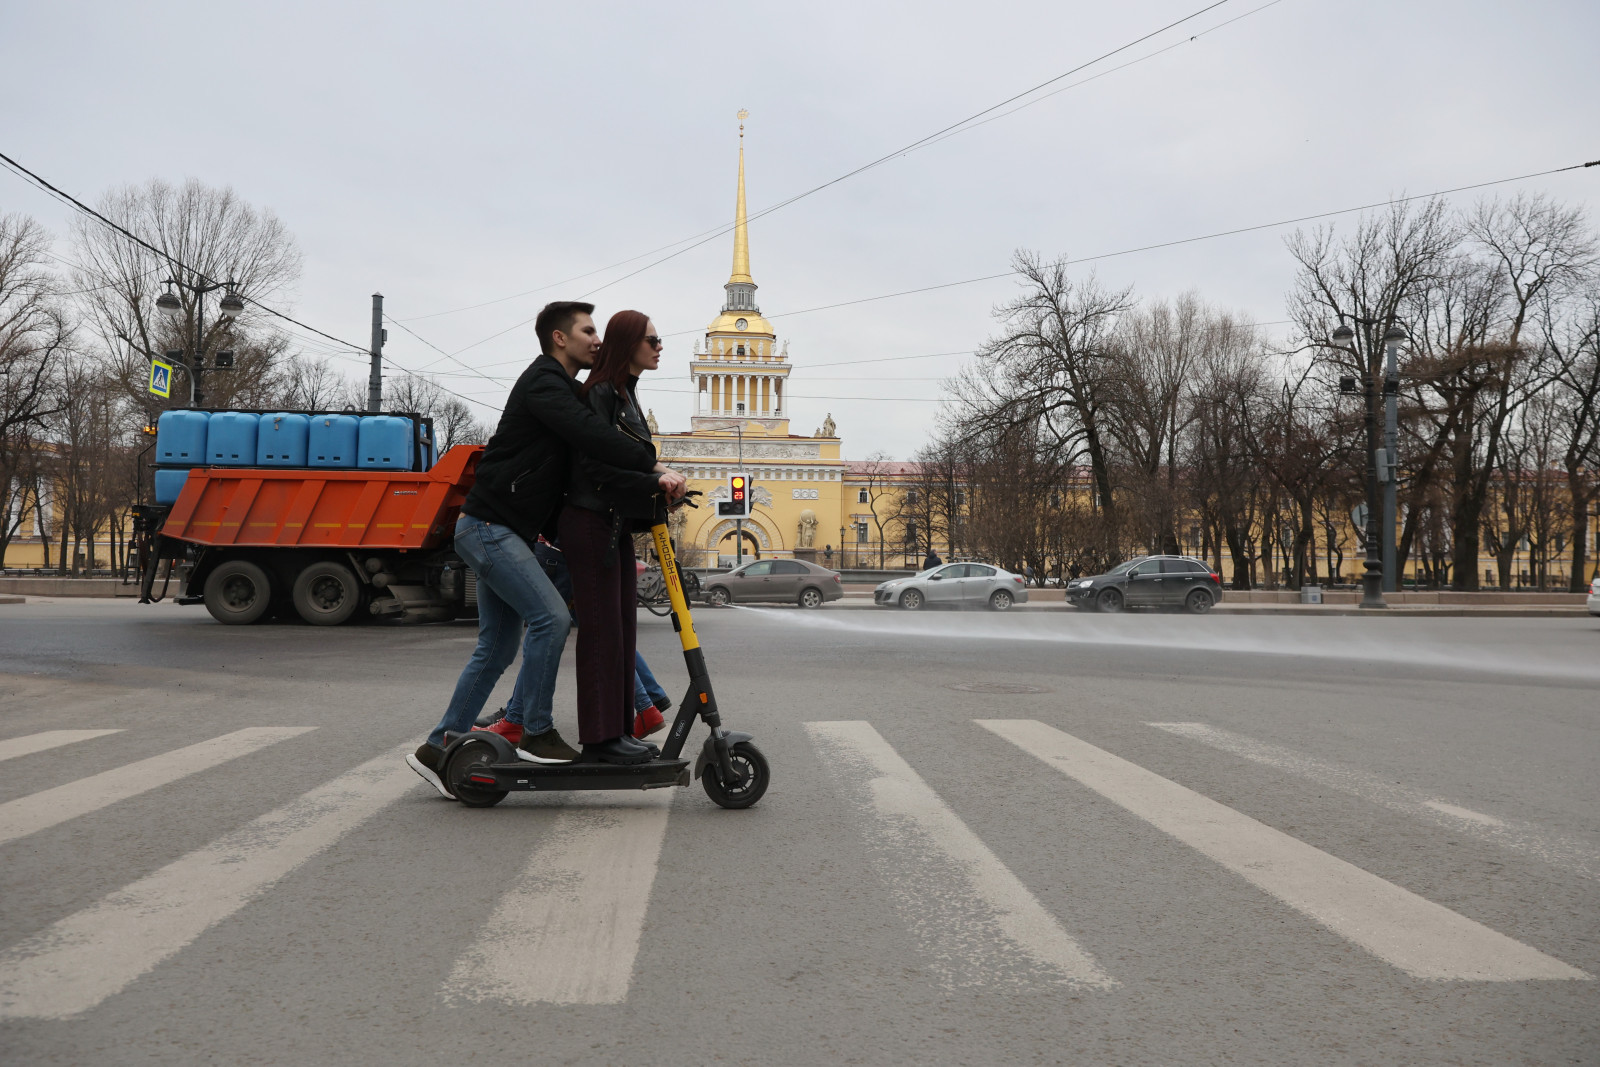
521, 481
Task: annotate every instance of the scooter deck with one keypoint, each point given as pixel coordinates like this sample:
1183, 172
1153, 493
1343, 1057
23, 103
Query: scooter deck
522, 775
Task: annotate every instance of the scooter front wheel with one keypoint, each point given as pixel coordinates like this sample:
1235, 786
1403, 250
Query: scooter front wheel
750, 766
467, 756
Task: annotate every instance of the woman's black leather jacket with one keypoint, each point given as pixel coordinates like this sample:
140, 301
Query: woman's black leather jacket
601, 487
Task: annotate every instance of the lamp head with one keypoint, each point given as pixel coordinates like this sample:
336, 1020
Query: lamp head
170, 306
230, 305
1396, 335
1343, 336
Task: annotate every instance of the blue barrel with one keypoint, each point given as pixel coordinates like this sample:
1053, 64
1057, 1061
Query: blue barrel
384, 443
332, 441
231, 439
169, 483
181, 438
281, 440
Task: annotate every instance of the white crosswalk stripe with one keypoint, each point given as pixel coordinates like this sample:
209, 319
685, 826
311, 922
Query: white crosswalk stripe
76, 963
52, 807
567, 932
974, 918
44, 742
1420, 937
1559, 851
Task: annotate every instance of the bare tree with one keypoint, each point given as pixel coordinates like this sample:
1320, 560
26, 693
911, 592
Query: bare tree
306, 384
1050, 369
218, 238
882, 495
1575, 348
34, 335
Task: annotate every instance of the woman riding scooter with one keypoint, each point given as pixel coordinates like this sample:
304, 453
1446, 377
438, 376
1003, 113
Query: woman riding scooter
605, 506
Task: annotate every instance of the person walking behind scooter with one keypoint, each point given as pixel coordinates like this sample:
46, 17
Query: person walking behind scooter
520, 482
605, 504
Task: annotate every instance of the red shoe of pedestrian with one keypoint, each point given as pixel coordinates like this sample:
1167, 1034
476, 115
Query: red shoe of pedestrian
647, 722
511, 731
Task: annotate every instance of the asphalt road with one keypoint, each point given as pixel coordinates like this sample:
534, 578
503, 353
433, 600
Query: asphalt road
1039, 838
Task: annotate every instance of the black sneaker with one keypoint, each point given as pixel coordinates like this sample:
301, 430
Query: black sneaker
546, 748
489, 719
428, 761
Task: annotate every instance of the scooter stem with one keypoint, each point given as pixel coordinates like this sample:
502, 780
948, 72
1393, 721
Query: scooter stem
700, 698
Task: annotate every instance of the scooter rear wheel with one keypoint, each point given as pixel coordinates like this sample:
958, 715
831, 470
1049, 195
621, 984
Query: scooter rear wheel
754, 775
468, 755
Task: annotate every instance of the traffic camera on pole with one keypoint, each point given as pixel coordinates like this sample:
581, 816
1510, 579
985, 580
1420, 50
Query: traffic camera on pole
737, 506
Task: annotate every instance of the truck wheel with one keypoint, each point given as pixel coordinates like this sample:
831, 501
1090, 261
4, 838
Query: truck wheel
326, 593
238, 592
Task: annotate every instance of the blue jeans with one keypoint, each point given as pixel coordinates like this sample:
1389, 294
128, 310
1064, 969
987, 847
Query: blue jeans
513, 590
647, 691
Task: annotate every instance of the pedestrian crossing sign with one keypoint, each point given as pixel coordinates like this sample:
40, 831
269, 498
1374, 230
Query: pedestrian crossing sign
160, 378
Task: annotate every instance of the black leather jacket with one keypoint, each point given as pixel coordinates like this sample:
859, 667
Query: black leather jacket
599, 486
523, 474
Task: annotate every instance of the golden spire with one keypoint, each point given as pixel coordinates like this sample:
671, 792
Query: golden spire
741, 237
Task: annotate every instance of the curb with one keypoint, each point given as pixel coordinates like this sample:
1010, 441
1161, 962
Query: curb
1532, 611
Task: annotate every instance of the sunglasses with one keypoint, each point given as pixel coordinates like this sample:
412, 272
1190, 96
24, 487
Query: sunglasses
652, 340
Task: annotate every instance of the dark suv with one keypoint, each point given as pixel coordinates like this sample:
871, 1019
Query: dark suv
1150, 582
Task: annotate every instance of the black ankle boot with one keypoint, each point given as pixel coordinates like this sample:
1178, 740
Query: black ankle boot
616, 750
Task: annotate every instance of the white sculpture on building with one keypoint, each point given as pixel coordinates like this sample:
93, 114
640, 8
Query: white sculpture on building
808, 529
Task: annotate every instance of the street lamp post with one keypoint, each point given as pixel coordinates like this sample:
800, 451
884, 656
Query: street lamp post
1380, 547
1393, 338
228, 308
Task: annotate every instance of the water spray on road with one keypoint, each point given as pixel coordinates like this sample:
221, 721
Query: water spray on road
1470, 646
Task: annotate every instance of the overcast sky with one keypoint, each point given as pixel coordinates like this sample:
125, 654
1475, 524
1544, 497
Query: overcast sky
449, 155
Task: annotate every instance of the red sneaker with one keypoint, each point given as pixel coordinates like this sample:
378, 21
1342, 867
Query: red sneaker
647, 722
511, 731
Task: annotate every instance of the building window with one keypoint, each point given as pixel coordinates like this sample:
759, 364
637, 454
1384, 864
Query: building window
739, 350
861, 533
861, 496
961, 498
911, 496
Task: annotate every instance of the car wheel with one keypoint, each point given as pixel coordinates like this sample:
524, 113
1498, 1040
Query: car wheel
717, 597
811, 598
1109, 600
238, 593
1001, 601
911, 600
326, 593
1198, 602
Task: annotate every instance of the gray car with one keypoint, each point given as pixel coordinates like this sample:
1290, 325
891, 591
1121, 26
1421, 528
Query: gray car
955, 585
789, 581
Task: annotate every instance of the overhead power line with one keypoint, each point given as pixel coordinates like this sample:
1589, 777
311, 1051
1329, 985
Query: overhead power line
971, 121
79, 205
1179, 241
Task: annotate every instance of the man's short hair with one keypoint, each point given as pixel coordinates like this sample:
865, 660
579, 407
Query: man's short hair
558, 315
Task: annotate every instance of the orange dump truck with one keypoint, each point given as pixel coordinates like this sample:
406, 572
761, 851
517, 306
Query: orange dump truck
327, 544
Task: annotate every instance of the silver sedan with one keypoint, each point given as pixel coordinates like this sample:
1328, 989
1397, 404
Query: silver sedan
955, 584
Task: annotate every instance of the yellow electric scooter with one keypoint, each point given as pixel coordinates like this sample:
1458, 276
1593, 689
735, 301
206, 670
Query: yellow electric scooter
482, 767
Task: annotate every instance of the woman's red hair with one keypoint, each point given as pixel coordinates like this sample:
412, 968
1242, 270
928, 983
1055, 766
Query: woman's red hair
623, 335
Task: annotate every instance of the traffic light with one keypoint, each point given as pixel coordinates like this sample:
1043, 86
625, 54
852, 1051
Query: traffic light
737, 506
